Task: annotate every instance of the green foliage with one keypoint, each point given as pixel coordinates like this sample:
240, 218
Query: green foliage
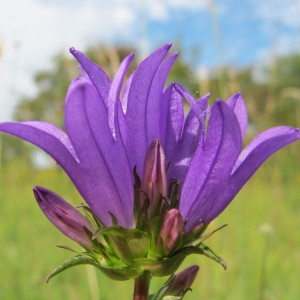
261, 245
10, 148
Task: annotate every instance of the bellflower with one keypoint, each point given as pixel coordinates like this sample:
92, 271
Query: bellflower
134, 157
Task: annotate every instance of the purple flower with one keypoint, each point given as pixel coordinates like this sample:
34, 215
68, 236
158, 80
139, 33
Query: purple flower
64, 216
110, 126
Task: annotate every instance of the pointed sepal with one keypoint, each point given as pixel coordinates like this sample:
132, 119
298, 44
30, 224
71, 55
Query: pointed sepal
79, 259
206, 251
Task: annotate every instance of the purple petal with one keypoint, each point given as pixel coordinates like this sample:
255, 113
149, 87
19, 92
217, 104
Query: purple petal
64, 216
114, 92
46, 136
192, 134
236, 102
95, 73
261, 147
154, 113
211, 166
138, 96
104, 178
124, 97
171, 122
201, 114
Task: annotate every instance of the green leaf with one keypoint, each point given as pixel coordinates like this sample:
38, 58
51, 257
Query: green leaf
204, 237
114, 272
75, 261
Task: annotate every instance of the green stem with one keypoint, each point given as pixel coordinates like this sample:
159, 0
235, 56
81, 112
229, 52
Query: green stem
141, 286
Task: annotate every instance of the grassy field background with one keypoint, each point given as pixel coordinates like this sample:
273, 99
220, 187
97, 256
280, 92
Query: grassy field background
261, 245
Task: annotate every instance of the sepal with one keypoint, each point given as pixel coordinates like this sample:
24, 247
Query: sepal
127, 244
120, 273
206, 251
79, 259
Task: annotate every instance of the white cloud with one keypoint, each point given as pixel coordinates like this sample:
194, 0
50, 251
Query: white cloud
284, 13
32, 31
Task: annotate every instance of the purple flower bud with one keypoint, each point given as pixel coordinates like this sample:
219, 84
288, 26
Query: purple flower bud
182, 281
154, 183
172, 228
64, 216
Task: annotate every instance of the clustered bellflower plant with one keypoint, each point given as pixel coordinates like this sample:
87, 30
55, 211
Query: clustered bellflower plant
152, 177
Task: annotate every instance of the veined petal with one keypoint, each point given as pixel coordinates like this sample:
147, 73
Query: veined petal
124, 97
114, 93
154, 113
138, 96
236, 102
211, 166
95, 73
171, 125
48, 137
64, 216
261, 147
201, 114
105, 179
192, 134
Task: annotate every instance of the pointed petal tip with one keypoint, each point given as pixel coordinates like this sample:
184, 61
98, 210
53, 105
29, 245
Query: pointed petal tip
165, 47
40, 193
78, 83
131, 55
176, 54
74, 51
220, 105
36, 194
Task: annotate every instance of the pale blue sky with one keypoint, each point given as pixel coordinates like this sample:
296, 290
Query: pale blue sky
228, 32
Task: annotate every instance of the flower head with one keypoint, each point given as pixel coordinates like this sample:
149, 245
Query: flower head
131, 141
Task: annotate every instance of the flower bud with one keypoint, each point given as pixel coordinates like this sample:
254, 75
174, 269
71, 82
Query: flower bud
154, 183
171, 230
182, 282
64, 216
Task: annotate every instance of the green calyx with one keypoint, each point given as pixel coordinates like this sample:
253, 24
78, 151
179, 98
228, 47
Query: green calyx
122, 253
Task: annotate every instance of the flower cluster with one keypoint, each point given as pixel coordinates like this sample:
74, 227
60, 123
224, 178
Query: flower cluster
153, 178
